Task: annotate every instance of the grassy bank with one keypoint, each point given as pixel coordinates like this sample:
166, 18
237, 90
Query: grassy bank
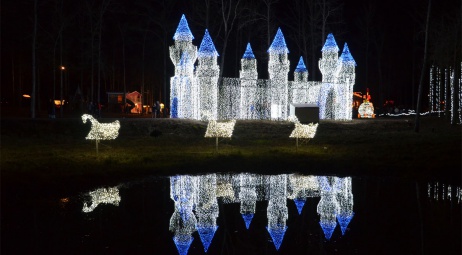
55, 154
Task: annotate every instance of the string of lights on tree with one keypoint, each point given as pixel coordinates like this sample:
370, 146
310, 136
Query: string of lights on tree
196, 203
446, 192
247, 97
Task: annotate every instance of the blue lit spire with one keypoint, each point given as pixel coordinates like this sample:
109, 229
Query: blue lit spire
328, 228
182, 32
247, 219
277, 234
248, 54
301, 66
206, 234
207, 48
299, 203
344, 220
279, 45
346, 56
183, 243
330, 44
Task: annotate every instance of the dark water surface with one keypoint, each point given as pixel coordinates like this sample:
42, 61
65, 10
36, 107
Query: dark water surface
191, 214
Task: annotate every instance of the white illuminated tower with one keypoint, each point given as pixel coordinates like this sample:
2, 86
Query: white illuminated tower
328, 94
207, 72
247, 197
328, 206
278, 68
248, 75
345, 80
183, 55
183, 221
206, 208
300, 84
345, 201
277, 212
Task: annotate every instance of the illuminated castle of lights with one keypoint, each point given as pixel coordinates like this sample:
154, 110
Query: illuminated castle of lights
195, 91
196, 203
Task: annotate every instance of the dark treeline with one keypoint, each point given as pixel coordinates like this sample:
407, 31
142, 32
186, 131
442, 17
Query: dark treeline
116, 46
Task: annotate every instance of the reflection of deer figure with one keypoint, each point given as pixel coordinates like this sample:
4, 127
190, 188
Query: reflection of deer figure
101, 131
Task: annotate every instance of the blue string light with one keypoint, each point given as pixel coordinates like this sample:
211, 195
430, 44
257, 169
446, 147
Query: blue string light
330, 44
346, 56
183, 243
247, 219
277, 234
174, 111
206, 234
279, 45
344, 220
299, 203
328, 228
301, 66
248, 54
183, 33
207, 48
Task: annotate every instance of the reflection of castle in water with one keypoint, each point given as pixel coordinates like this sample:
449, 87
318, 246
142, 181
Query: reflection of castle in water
196, 203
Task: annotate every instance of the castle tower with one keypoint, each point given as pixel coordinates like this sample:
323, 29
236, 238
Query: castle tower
301, 73
277, 211
206, 208
278, 68
183, 55
346, 79
329, 95
328, 62
207, 72
299, 87
248, 75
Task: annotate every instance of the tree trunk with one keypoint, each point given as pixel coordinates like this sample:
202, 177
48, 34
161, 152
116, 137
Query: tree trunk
34, 68
419, 92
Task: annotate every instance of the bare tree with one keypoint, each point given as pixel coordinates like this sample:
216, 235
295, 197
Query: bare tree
419, 92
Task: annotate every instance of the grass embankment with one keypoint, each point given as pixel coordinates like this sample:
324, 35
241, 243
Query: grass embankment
55, 154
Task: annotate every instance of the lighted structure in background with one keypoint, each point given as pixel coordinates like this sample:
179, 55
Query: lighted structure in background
247, 97
196, 201
366, 109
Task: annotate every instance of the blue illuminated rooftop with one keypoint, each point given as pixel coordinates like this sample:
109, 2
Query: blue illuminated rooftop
248, 54
301, 66
277, 234
182, 32
279, 45
346, 56
330, 44
207, 48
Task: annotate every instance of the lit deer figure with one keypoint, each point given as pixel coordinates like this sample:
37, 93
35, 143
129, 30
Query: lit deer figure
305, 131
101, 131
219, 129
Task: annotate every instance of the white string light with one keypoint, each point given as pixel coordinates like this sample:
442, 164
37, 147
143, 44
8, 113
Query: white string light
305, 131
102, 196
206, 209
220, 129
101, 131
193, 93
277, 212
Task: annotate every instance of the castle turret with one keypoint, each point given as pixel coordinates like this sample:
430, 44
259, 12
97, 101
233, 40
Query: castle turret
248, 75
183, 55
328, 62
301, 73
345, 75
278, 68
207, 72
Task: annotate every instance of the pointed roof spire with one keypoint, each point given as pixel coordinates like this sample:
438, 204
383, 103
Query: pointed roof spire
330, 44
182, 32
277, 234
207, 48
301, 66
344, 220
206, 234
346, 56
183, 242
299, 203
328, 228
279, 45
247, 219
248, 54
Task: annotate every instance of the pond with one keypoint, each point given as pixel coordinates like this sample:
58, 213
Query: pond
241, 213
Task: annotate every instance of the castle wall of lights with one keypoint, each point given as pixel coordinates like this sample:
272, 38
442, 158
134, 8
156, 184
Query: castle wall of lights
196, 94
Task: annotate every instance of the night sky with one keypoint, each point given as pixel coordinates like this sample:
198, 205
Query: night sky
391, 70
